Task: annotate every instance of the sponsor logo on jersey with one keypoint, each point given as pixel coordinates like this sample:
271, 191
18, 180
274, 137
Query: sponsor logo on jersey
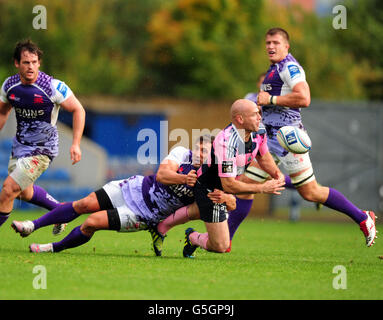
38, 98
63, 89
29, 113
227, 166
266, 87
14, 98
294, 70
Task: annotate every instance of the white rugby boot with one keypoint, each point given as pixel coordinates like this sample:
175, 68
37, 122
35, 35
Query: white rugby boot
368, 228
37, 248
25, 228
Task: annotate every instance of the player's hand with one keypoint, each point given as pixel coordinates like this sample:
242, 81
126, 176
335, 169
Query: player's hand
217, 196
273, 186
75, 153
263, 98
191, 178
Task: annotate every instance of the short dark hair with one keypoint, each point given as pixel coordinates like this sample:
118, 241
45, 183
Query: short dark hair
205, 138
27, 45
278, 30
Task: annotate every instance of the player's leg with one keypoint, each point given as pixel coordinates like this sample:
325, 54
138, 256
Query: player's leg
304, 180
78, 236
39, 196
217, 237
8, 194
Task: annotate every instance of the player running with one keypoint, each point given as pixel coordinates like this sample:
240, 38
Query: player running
133, 204
36, 98
233, 150
284, 92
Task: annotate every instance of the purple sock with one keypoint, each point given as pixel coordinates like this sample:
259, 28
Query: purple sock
339, 202
62, 214
74, 239
3, 217
238, 215
43, 199
288, 182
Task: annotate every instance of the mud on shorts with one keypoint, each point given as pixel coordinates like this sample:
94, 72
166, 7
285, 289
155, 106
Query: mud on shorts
120, 217
26, 171
209, 211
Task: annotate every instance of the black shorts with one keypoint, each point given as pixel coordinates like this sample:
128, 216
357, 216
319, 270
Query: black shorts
209, 211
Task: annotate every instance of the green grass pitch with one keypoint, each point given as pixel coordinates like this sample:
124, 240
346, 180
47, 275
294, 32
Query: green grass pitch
270, 259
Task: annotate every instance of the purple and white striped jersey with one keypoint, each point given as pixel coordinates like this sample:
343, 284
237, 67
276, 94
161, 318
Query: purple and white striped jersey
153, 201
36, 107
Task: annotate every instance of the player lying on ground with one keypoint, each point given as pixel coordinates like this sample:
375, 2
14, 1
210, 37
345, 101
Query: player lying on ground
233, 149
130, 205
36, 98
283, 92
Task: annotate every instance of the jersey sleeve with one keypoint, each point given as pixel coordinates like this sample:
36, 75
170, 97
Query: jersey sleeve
3, 94
252, 96
179, 155
61, 91
224, 153
263, 148
292, 74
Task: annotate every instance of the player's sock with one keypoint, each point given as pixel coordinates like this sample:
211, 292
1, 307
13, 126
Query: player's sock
64, 213
199, 239
238, 215
288, 183
74, 239
339, 202
43, 199
3, 217
181, 216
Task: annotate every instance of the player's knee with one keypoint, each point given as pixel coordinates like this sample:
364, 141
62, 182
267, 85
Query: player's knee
90, 226
219, 247
10, 191
84, 205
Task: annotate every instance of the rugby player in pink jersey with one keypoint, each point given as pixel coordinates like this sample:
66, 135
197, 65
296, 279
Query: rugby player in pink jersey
234, 148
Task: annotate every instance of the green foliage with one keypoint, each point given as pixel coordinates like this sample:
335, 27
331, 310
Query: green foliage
200, 49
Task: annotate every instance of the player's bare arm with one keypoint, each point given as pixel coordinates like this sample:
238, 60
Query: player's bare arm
299, 97
233, 186
167, 174
5, 110
267, 163
74, 106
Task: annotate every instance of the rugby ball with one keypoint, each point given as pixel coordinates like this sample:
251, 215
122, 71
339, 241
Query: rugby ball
294, 139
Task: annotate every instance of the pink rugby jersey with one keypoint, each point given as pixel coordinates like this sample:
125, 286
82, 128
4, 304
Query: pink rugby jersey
230, 156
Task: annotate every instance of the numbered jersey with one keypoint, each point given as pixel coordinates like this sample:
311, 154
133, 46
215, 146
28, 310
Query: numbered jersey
153, 200
36, 107
280, 79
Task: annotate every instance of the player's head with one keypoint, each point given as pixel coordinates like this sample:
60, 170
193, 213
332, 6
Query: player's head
277, 44
202, 149
27, 57
245, 114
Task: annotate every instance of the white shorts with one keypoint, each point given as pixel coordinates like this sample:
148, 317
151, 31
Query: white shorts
26, 171
292, 163
129, 221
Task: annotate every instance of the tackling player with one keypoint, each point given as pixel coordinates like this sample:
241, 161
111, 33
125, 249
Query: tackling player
36, 98
284, 92
133, 204
233, 150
